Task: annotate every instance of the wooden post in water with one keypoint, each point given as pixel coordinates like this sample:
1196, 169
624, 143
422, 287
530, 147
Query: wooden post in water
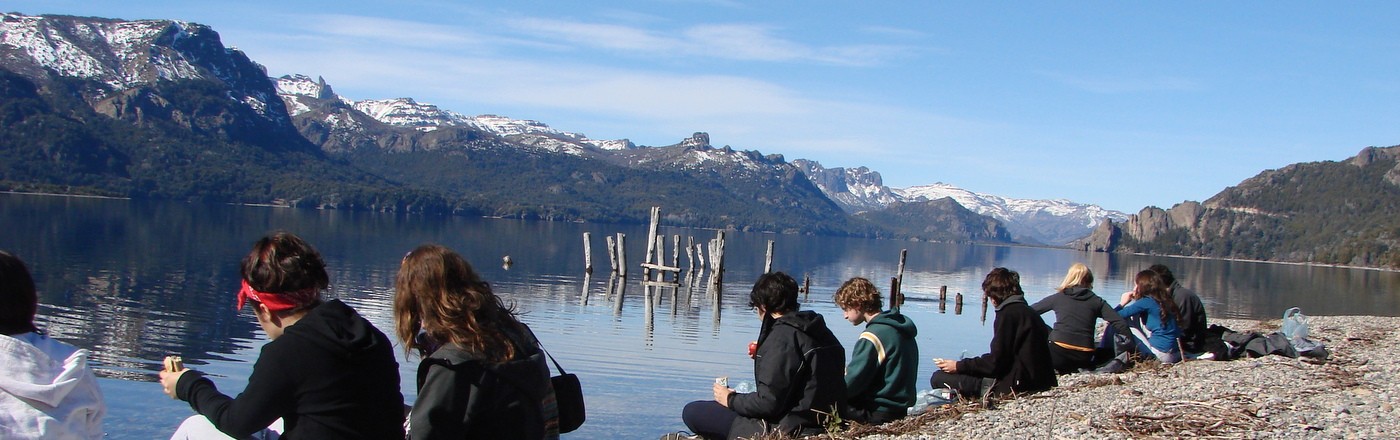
984, 308
587, 279
587, 253
768, 259
612, 253
622, 255
957, 304
896, 297
690, 254
942, 293
676, 254
717, 261
806, 286
903, 254
700, 256
651, 241
660, 244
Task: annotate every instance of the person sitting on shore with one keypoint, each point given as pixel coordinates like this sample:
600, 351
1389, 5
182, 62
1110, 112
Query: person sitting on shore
1076, 309
1151, 316
797, 366
47, 389
483, 374
882, 377
1019, 361
326, 373
1191, 318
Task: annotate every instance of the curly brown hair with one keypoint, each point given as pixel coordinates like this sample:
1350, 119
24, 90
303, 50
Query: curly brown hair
859, 294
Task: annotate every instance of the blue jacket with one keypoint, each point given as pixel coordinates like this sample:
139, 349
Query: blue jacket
1164, 331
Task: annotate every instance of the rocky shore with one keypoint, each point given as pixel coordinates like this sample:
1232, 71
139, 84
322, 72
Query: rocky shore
1351, 395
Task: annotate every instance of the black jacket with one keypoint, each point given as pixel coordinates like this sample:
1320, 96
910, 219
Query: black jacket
1076, 311
1020, 356
462, 397
330, 375
1190, 318
799, 368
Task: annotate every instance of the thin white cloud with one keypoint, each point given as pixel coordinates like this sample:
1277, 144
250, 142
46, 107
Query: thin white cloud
745, 42
1116, 85
388, 31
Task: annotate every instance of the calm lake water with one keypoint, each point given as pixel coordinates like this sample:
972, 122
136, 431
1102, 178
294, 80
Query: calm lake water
135, 281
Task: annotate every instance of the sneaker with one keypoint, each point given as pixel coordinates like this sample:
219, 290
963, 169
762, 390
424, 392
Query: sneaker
1113, 366
985, 391
680, 435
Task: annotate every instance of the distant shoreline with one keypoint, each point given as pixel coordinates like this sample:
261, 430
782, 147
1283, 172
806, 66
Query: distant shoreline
1038, 246
81, 196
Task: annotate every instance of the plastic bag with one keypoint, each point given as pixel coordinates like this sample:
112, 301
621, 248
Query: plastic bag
927, 399
1295, 324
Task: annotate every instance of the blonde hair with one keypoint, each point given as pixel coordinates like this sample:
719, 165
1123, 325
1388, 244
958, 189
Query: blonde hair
859, 294
1078, 276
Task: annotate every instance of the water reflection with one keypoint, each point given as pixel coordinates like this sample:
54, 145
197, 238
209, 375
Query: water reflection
135, 281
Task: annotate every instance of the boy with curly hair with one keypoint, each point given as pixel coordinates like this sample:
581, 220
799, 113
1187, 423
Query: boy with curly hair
882, 377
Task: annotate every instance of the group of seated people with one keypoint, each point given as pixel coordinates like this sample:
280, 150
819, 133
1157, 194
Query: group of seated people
804, 381
484, 374
332, 375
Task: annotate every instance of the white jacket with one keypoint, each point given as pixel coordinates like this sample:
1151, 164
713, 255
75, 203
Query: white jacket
47, 390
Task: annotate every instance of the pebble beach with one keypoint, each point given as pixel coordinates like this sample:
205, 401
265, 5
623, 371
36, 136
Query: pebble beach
1351, 395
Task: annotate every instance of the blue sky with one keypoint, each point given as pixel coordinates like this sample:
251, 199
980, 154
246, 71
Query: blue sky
1122, 104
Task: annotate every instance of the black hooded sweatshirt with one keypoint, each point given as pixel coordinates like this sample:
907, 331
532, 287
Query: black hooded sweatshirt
1076, 311
330, 375
799, 367
463, 396
1190, 318
1020, 356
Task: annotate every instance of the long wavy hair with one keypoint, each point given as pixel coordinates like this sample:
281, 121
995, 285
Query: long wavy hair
1078, 276
438, 293
1150, 285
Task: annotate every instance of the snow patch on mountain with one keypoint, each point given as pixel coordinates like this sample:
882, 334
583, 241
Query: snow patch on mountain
853, 189
64, 45
408, 112
1047, 221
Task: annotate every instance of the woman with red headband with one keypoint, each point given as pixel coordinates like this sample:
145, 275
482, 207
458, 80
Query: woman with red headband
326, 373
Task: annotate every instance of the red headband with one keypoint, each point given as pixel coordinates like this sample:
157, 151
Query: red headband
277, 301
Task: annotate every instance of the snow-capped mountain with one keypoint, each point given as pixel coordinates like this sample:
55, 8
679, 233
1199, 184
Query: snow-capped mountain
853, 189
1040, 221
123, 55
422, 116
1047, 221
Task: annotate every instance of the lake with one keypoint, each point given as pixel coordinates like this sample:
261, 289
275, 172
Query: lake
135, 281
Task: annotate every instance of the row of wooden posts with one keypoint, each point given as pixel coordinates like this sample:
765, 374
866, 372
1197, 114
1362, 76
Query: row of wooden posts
654, 272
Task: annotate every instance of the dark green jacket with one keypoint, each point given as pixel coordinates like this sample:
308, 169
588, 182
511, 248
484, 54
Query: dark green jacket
884, 369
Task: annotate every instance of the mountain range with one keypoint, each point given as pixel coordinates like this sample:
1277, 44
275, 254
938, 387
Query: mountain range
1052, 222
162, 109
